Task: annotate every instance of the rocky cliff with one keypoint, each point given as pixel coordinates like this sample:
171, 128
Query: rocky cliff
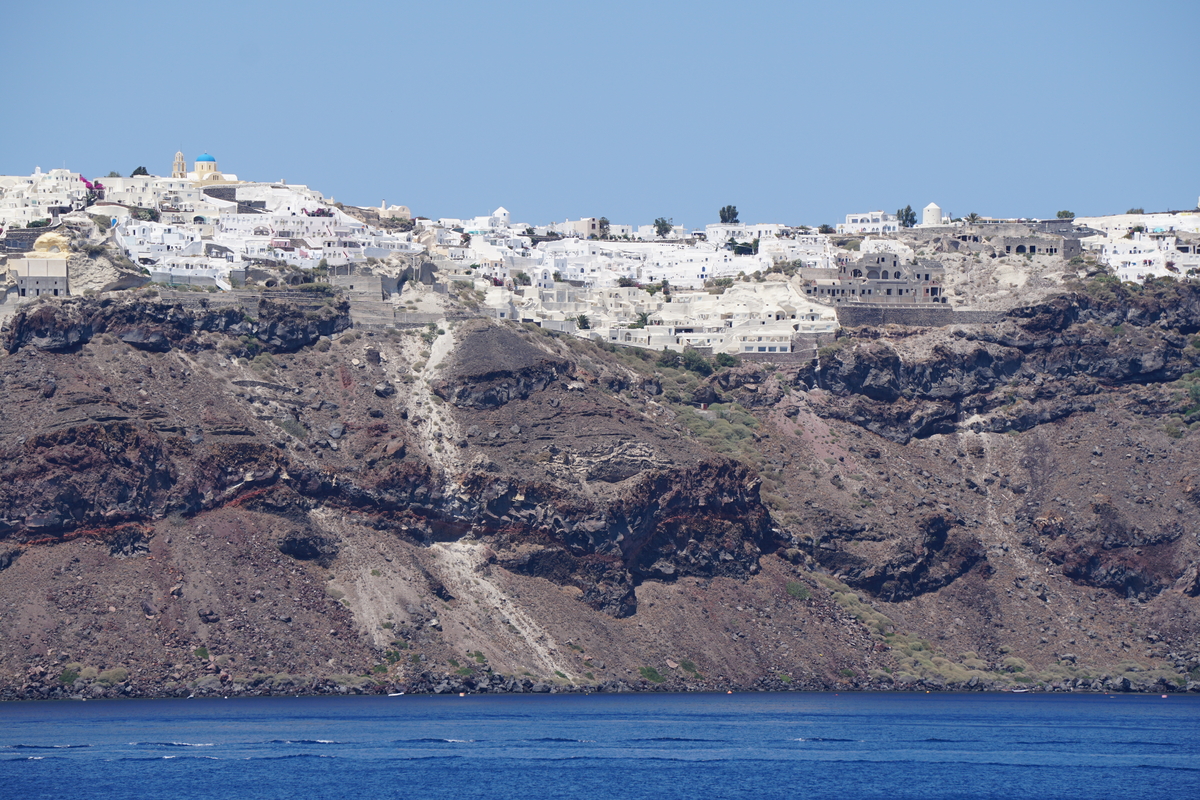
201, 499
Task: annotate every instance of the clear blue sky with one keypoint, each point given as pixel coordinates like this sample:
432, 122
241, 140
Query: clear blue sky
795, 112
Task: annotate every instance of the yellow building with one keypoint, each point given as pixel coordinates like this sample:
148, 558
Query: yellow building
206, 171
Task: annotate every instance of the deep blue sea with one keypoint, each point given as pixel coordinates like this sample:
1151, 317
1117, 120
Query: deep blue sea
695, 746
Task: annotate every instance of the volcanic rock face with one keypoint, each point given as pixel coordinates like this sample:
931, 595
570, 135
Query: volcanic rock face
49, 327
1044, 363
940, 552
252, 506
149, 325
494, 366
84, 475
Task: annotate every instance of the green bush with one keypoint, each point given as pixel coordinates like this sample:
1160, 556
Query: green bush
798, 590
1014, 664
316, 288
828, 350
727, 360
693, 361
651, 674
112, 676
263, 363
727, 428
201, 652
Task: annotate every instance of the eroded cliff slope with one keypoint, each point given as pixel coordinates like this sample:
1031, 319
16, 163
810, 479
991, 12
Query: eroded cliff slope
206, 500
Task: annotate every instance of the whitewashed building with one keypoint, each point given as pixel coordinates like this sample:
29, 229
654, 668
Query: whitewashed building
1150, 255
869, 222
42, 195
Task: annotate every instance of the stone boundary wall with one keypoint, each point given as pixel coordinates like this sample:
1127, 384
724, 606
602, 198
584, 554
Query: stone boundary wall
775, 358
198, 299
21, 240
248, 301
856, 316
807, 344
758, 358
180, 279
979, 317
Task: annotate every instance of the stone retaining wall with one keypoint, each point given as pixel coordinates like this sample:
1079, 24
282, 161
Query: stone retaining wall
858, 315
21, 240
776, 358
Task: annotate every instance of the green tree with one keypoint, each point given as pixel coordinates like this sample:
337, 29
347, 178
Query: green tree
729, 215
692, 360
663, 225
1136, 211
727, 360
605, 227
583, 322
643, 319
113, 174
907, 217
139, 171
625, 283
521, 279
1066, 215
557, 276
973, 217
825, 228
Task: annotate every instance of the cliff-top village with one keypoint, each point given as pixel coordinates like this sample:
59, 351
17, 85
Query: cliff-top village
759, 289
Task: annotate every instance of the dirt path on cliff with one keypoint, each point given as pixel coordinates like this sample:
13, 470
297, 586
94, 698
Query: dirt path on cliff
525, 640
441, 430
